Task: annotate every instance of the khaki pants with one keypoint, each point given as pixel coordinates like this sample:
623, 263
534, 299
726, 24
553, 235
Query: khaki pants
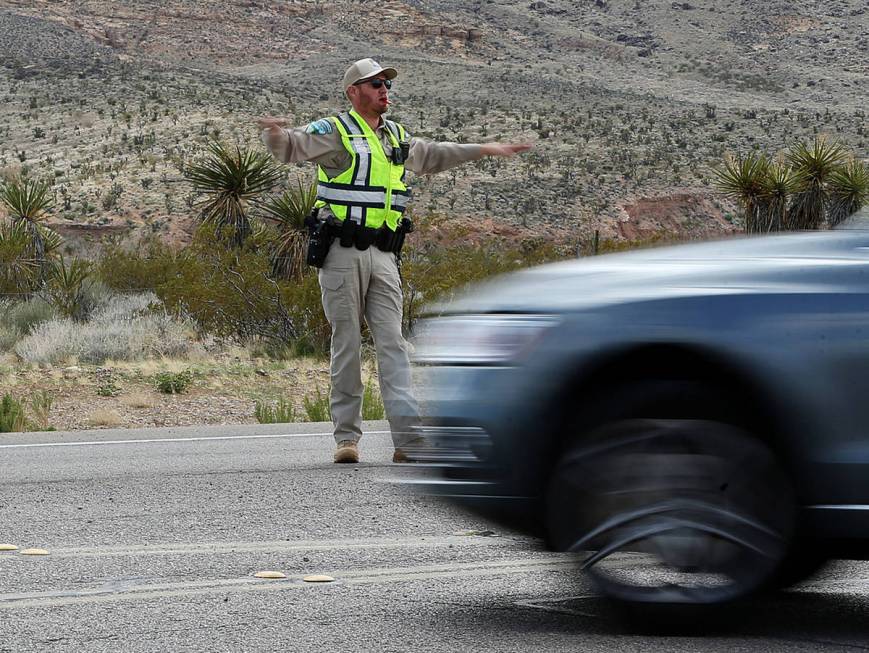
365, 284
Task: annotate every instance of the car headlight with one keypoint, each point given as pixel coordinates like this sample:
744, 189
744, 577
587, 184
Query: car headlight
477, 339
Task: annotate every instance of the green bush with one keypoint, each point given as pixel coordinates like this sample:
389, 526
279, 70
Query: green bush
302, 299
12, 417
173, 383
145, 267
281, 413
372, 403
229, 293
108, 388
317, 407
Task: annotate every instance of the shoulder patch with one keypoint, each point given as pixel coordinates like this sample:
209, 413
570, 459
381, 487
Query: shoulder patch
323, 126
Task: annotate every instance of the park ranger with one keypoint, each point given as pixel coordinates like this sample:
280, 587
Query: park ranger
362, 197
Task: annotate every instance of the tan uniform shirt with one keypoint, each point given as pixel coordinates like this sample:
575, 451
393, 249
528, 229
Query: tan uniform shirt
327, 150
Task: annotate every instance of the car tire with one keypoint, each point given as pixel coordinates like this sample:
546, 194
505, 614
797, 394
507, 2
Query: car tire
672, 500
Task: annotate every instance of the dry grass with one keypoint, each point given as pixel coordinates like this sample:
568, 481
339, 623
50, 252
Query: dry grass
139, 400
104, 417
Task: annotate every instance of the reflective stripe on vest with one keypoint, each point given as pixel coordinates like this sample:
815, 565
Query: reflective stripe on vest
371, 191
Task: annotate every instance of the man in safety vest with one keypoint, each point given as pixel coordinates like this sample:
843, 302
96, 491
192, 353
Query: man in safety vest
362, 195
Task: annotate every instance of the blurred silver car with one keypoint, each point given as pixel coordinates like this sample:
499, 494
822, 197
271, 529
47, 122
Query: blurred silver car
693, 419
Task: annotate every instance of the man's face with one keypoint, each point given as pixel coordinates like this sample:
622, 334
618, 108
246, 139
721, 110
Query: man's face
368, 99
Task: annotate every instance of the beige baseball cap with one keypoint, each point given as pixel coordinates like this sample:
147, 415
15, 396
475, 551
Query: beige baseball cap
365, 68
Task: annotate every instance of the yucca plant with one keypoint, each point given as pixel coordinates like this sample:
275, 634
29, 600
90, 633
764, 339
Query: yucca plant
848, 191
814, 164
232, 178
28, 203
778, 184
289, 212
67, 285
19, 270
744, 179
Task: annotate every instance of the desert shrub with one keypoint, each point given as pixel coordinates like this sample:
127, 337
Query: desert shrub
13, 414
126, 327
40, 404
229, 293
105, 417
226, 291
317, 407
8, 334
25, 316
173, 383
12, 417
8, 338
108, 388
282, 412
305, 308
372, 403
50, 343
146, 267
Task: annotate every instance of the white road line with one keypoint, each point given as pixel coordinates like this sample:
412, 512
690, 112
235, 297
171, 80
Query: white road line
111, 594
150, 441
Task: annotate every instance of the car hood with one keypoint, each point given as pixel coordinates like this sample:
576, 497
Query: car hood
805, 262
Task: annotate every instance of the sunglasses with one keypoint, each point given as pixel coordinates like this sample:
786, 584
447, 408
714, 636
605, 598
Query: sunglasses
376, 83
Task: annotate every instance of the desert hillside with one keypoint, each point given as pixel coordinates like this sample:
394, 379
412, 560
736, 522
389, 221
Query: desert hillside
629, 101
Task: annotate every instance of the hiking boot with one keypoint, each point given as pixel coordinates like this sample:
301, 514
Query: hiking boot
404, 454
347, 452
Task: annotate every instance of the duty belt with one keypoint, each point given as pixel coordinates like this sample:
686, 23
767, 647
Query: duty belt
350, 234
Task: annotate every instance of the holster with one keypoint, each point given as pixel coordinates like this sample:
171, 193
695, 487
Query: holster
319, 240
405, 226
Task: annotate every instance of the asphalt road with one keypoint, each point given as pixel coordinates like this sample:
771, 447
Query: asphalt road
154, 537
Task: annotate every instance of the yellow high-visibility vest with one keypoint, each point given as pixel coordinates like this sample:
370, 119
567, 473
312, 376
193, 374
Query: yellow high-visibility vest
371, 192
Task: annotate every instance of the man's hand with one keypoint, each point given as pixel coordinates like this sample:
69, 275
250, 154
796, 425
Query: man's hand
274, 130
271, 121
504, 149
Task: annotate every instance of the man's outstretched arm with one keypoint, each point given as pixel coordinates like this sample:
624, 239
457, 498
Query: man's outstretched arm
504, 149
428, 157
290, 145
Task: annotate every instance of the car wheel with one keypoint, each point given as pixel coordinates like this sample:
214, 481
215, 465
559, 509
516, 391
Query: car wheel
671, 508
